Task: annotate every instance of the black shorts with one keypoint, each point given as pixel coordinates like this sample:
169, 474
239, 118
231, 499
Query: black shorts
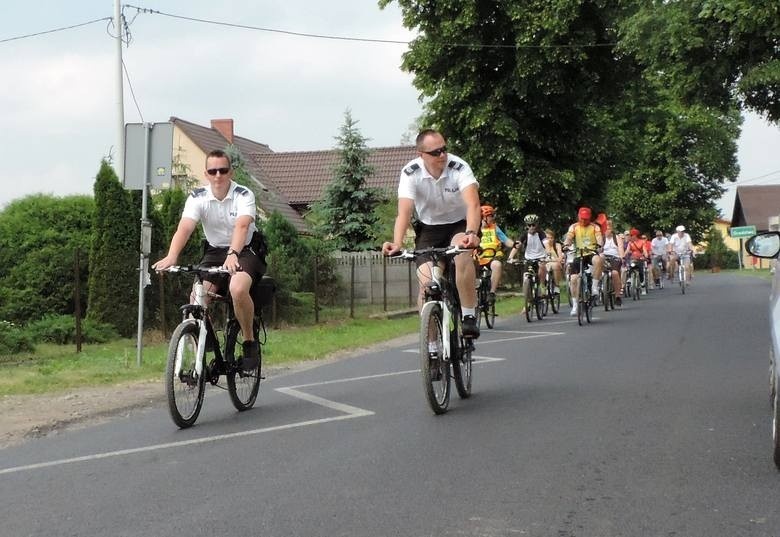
575, 265
436, 236
613, 262
214, 256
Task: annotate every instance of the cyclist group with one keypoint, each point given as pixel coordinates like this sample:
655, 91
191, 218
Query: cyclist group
439, 196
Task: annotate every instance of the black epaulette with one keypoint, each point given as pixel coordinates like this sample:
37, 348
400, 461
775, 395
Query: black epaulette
456, 165
409, 170
242, 190
198, 192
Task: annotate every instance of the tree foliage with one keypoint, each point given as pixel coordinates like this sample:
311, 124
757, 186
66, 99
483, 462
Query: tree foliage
39, 235
555, 104
113, 258
347, 209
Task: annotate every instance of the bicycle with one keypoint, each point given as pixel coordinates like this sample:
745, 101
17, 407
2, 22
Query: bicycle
585, 300
199, 333
485, 306
552, 298
532, 290
607, 287
633, 280
444, 352
658, 266
682, 275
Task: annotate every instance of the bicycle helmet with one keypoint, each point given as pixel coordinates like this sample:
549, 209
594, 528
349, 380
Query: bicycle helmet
634, 232
487, 210
584, 213
531, 219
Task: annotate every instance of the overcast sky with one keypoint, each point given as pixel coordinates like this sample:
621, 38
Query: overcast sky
60, 108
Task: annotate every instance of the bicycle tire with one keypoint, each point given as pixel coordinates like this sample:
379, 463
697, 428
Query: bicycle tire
243, 386
681, 272
527, 293
635, 285
460, 356
434, 369
482, 303
556, 302
538, 302
490, 315
184, 389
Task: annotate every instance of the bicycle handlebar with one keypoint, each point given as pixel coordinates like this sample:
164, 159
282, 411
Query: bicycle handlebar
188, 269
446, 251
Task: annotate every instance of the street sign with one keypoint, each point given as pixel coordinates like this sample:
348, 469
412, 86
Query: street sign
158, 153
742, 231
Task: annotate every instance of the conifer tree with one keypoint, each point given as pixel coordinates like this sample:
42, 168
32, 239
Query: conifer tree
113, 256
347, 212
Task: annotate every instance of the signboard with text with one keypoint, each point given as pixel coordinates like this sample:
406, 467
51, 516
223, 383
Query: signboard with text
742, 231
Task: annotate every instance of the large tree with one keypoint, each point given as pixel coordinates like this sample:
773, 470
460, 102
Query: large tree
113, 258
711, 51
347, 211
552, 110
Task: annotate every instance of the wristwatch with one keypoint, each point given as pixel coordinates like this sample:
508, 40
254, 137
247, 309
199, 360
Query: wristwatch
472, 232
231, 252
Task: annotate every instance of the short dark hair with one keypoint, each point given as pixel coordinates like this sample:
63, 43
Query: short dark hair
423, 134
218, 153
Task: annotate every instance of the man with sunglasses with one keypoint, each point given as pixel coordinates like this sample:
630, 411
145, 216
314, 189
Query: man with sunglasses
443, 192
227, 212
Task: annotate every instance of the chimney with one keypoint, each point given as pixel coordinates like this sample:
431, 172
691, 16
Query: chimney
224, 127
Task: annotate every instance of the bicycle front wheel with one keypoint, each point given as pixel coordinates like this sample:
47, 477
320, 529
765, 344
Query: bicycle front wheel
460, 351
183, 385
490, 314
242, 385
435, 370
682, 279
539, 303
529, 298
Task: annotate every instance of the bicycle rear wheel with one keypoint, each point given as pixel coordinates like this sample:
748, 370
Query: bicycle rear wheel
460, 353
435, 370
635, 290
183, 385
242, 385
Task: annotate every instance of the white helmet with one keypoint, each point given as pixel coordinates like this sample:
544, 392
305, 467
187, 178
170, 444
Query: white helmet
680, 228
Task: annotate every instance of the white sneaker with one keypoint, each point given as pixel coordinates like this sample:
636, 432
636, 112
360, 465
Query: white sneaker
556, 290
595, 289
644, 291
573, 310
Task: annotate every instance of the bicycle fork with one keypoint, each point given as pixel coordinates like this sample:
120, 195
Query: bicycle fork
201, 349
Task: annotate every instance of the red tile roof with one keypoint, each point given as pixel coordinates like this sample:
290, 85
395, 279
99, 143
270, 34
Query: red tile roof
303, 175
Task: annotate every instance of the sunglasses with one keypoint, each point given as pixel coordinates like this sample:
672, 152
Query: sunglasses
222, 171
436, 152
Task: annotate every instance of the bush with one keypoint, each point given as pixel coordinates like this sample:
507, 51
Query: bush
61, 329
13, 340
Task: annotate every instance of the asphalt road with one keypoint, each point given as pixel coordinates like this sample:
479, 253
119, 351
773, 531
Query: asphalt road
654, 420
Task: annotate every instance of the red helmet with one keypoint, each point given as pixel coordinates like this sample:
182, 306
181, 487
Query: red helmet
634, 232
584, 213
487, 210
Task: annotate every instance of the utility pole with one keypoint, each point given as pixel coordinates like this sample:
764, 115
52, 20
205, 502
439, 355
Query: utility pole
119, 162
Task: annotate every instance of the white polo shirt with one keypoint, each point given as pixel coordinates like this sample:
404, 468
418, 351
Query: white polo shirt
437, 201
219, 217
681, 245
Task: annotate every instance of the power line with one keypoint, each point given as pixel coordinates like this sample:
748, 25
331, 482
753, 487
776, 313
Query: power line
347, 38
743, 181
55, 30
132, 93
